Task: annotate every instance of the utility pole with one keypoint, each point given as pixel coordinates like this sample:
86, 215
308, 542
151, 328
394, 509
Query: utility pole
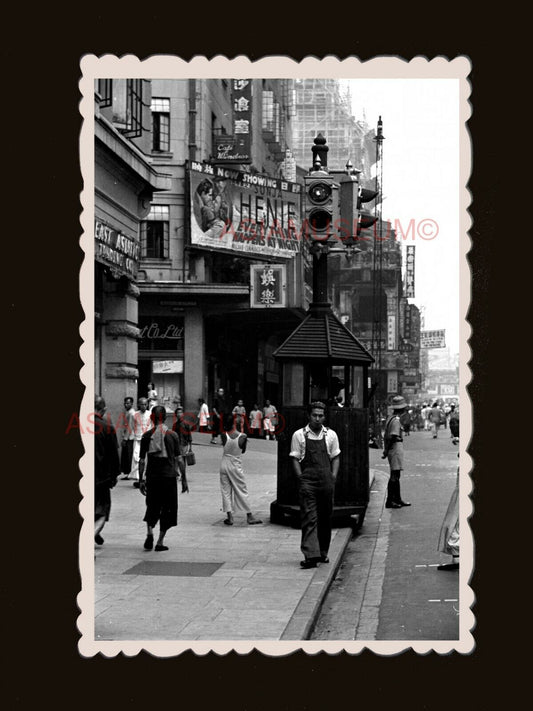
377, 289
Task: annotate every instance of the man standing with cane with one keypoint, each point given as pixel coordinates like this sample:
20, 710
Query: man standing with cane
315, 457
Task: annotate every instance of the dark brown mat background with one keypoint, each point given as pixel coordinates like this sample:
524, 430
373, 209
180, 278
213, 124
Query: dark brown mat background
41, 171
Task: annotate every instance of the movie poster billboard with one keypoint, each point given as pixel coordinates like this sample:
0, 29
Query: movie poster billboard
248, 214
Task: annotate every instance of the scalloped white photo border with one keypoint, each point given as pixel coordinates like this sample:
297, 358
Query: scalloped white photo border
170, 66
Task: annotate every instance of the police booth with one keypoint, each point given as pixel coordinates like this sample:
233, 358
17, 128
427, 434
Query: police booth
321, 360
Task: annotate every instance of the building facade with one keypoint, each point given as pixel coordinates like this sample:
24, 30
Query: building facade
221, 277
201, 271
125, 182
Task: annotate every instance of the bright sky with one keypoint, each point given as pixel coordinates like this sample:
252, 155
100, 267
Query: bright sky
421, 182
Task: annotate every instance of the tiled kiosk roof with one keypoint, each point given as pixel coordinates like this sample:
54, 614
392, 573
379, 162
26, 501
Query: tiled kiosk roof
321, 336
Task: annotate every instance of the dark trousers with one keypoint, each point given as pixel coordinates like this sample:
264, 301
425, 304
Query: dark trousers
393, 487
161, 501
126, 456
217, 423
316, 509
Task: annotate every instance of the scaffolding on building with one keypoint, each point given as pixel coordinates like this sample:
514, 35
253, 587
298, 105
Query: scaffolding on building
322, 107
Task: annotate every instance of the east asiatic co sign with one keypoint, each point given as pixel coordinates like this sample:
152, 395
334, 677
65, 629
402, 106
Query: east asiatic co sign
116, 250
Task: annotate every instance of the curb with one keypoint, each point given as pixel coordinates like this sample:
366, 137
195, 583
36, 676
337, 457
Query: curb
302, 622
304, 617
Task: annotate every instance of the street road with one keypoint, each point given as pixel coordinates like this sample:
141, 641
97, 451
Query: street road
388, 586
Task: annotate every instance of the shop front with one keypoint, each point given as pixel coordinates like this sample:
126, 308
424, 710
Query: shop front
161, 358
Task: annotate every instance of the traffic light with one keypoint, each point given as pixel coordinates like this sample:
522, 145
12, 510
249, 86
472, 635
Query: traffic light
321, 205
349, 215
366, 219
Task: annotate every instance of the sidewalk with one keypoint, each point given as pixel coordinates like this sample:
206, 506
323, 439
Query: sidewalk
215, 582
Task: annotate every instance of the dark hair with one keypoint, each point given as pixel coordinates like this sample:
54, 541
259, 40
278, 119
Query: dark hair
158, 414
316, 404
229, 422
204, 187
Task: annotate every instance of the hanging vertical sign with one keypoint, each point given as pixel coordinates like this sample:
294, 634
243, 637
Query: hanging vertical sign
268, 286
407, 322
391, 332
410, 272
392, 381
237, 147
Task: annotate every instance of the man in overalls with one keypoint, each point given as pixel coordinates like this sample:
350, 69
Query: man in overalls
315, 457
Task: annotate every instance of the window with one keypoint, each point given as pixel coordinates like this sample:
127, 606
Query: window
154, 233
134, 102
105, 90
268, 111
160, 124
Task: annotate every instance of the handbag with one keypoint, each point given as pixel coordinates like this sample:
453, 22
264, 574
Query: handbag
190, 458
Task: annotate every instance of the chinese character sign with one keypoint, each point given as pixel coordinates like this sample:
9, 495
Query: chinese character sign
268, 286
237, 148
392, 382
410, 272
407, 322
391, 332
433, 339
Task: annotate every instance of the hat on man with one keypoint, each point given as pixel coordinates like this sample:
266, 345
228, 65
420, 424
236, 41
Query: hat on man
398, 402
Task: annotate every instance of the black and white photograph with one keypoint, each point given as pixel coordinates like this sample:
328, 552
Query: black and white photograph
275, 356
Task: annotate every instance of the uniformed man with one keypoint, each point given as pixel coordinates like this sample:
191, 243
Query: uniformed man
393, 451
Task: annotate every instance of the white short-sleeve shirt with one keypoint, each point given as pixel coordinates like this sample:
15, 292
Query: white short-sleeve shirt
298, 442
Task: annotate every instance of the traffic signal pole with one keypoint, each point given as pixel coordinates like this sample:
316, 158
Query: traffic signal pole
377, 292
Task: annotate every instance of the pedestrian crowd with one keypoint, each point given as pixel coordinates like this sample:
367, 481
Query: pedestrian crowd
427, 417
156, 455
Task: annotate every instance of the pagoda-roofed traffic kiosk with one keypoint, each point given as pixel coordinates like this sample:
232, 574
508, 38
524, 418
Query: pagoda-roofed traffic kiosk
322, 360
